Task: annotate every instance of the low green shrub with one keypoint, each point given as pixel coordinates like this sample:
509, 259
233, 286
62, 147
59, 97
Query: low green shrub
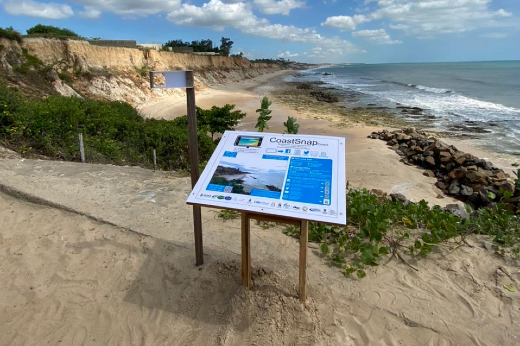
10, 34
50, 31
30, 62
142, 71
380, 229
113, 132
64, 76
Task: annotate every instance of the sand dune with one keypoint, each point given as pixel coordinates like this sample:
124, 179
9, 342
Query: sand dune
66, 277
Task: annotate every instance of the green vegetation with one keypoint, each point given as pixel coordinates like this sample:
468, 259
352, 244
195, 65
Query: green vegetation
281, 61
380, 229
202, 45
65, 76
30, 62
143, 71
263, 117
198, 46
218, 119
51, 31
10, 34
291, 127
225, 46
113, 131
227, 214
237, 184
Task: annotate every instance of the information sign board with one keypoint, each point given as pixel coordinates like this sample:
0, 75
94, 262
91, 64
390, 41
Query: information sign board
172, 79
295, 176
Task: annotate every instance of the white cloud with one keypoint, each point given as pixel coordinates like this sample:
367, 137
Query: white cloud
376, 36
214, 14
278, 7
90, 13
345, 22
31, 8
217, 15
325, 53
131, 8
288, 54
430, 17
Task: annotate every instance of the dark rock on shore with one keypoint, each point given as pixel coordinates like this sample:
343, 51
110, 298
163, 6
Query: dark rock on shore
324, 97
399, 197
410, 110
457, 210
470, 179
304, 86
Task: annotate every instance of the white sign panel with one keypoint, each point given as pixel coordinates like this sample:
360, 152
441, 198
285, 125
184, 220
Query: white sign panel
296, 176
172, 79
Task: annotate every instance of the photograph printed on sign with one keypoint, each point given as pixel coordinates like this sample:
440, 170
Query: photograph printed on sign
265, 179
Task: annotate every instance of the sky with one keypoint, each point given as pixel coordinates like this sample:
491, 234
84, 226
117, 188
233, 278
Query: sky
314, 31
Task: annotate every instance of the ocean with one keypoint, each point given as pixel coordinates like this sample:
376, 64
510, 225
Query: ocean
479, 100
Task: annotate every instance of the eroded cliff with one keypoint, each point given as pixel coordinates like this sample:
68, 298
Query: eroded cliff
42, 66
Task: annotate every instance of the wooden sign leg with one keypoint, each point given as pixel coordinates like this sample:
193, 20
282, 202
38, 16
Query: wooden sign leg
246, 250
304, 238
199, 248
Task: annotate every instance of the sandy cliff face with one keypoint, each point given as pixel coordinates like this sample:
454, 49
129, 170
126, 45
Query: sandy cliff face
72, 67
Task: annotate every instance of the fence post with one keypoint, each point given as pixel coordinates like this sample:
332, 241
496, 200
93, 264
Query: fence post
81, 148
154, 160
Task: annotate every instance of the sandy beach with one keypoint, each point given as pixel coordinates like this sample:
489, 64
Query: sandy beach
96, 254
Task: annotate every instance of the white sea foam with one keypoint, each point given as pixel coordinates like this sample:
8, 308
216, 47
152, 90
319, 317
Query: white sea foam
431, 90
459, 105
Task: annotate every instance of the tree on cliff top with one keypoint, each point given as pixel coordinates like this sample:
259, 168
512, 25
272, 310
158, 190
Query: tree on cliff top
225, 46
50, 31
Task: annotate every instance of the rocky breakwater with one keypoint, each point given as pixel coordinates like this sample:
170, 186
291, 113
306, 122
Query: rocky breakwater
470, 179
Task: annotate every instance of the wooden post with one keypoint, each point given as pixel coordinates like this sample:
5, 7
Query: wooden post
152, 84
246, 250
154, 160
304, 238
81, 148
194, 163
